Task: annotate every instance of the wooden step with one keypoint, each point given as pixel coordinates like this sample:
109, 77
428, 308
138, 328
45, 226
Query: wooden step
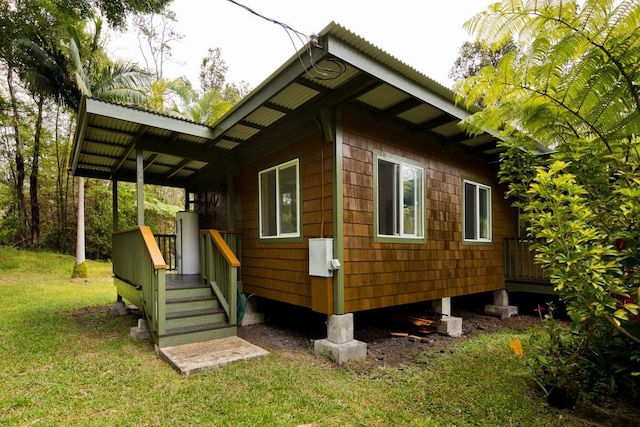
181, 319
175, 305
199, 291
191, 334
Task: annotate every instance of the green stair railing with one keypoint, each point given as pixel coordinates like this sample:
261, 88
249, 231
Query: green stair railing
137, 261
219, 268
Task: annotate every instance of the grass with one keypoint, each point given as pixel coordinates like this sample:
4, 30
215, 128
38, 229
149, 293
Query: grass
65, 360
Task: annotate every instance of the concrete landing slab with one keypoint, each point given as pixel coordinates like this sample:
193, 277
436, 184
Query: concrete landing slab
196, 357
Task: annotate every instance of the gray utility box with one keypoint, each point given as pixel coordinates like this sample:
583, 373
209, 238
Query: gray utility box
320, 257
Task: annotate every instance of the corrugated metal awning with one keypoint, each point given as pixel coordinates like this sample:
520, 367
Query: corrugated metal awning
343, 71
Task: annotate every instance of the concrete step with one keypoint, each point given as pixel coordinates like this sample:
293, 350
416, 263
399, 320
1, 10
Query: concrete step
196, 357
183, 319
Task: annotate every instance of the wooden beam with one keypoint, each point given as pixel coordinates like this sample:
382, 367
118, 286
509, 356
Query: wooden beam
151, 160
178, 168
436, 122
186, 150
129, 150
400, 108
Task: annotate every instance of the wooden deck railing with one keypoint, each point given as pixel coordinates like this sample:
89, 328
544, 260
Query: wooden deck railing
167, 245
519, 265
219, 268
138, 261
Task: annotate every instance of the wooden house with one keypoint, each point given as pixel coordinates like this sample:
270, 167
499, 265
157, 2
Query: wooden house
342, 183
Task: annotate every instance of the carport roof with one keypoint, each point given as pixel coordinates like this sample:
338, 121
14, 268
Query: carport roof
341, 71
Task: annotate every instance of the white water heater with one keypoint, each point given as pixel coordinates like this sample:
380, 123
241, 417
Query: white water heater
187, 243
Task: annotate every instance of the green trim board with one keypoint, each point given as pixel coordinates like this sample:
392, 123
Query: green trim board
371, 66
338, 216
531, 288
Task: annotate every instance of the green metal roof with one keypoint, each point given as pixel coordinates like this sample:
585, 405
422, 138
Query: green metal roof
342, 71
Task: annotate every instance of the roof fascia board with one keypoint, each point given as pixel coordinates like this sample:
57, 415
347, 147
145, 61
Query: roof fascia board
145, 118
369, 65
281, 78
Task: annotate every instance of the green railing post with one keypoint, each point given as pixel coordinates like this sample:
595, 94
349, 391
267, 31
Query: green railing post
219, 265
162, 301
233, 295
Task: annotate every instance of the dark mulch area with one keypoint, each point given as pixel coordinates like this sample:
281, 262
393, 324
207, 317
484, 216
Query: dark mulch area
293, 330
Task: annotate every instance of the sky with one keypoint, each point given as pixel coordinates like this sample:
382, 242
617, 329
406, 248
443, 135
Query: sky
425, 34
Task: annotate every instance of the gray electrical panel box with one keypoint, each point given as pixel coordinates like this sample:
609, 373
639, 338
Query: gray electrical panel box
320, 256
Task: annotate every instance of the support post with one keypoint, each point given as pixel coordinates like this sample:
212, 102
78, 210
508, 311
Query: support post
140, 185
500, 306
114, 197
339, 344
231, 226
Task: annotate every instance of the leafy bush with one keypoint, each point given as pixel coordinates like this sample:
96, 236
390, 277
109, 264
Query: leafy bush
571, 85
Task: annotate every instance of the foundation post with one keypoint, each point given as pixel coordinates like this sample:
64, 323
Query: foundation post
339, 344
500, 306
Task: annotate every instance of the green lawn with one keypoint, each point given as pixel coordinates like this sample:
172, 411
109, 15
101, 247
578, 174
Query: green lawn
61, 364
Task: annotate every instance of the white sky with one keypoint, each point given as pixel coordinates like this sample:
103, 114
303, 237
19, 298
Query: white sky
425, 34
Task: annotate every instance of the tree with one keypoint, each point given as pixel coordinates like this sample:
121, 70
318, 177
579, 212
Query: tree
572, 85
213, 76
115, 11
98, 77
213, 71
156, 33
473, 56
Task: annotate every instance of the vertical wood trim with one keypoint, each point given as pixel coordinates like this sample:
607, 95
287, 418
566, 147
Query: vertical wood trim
140, 185
230, 202
338, 218
114, 195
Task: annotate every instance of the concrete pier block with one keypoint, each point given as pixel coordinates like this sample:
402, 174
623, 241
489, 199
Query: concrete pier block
339, 344
141, 331
451, 326
251, 314
503, 312
500, 306
340, 328
341, 353
442, 306
120, 308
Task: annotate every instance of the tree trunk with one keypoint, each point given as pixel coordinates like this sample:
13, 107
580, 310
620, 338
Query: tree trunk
80, 269
19, 159
33, 178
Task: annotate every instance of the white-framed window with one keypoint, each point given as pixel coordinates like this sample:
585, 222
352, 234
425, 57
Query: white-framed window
399, 199
279, 199
476, 212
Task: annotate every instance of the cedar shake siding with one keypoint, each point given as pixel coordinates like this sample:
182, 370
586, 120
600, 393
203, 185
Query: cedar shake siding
278, 269
386, 274
377, 274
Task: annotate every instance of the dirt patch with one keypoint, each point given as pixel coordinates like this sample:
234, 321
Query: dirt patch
293, 334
